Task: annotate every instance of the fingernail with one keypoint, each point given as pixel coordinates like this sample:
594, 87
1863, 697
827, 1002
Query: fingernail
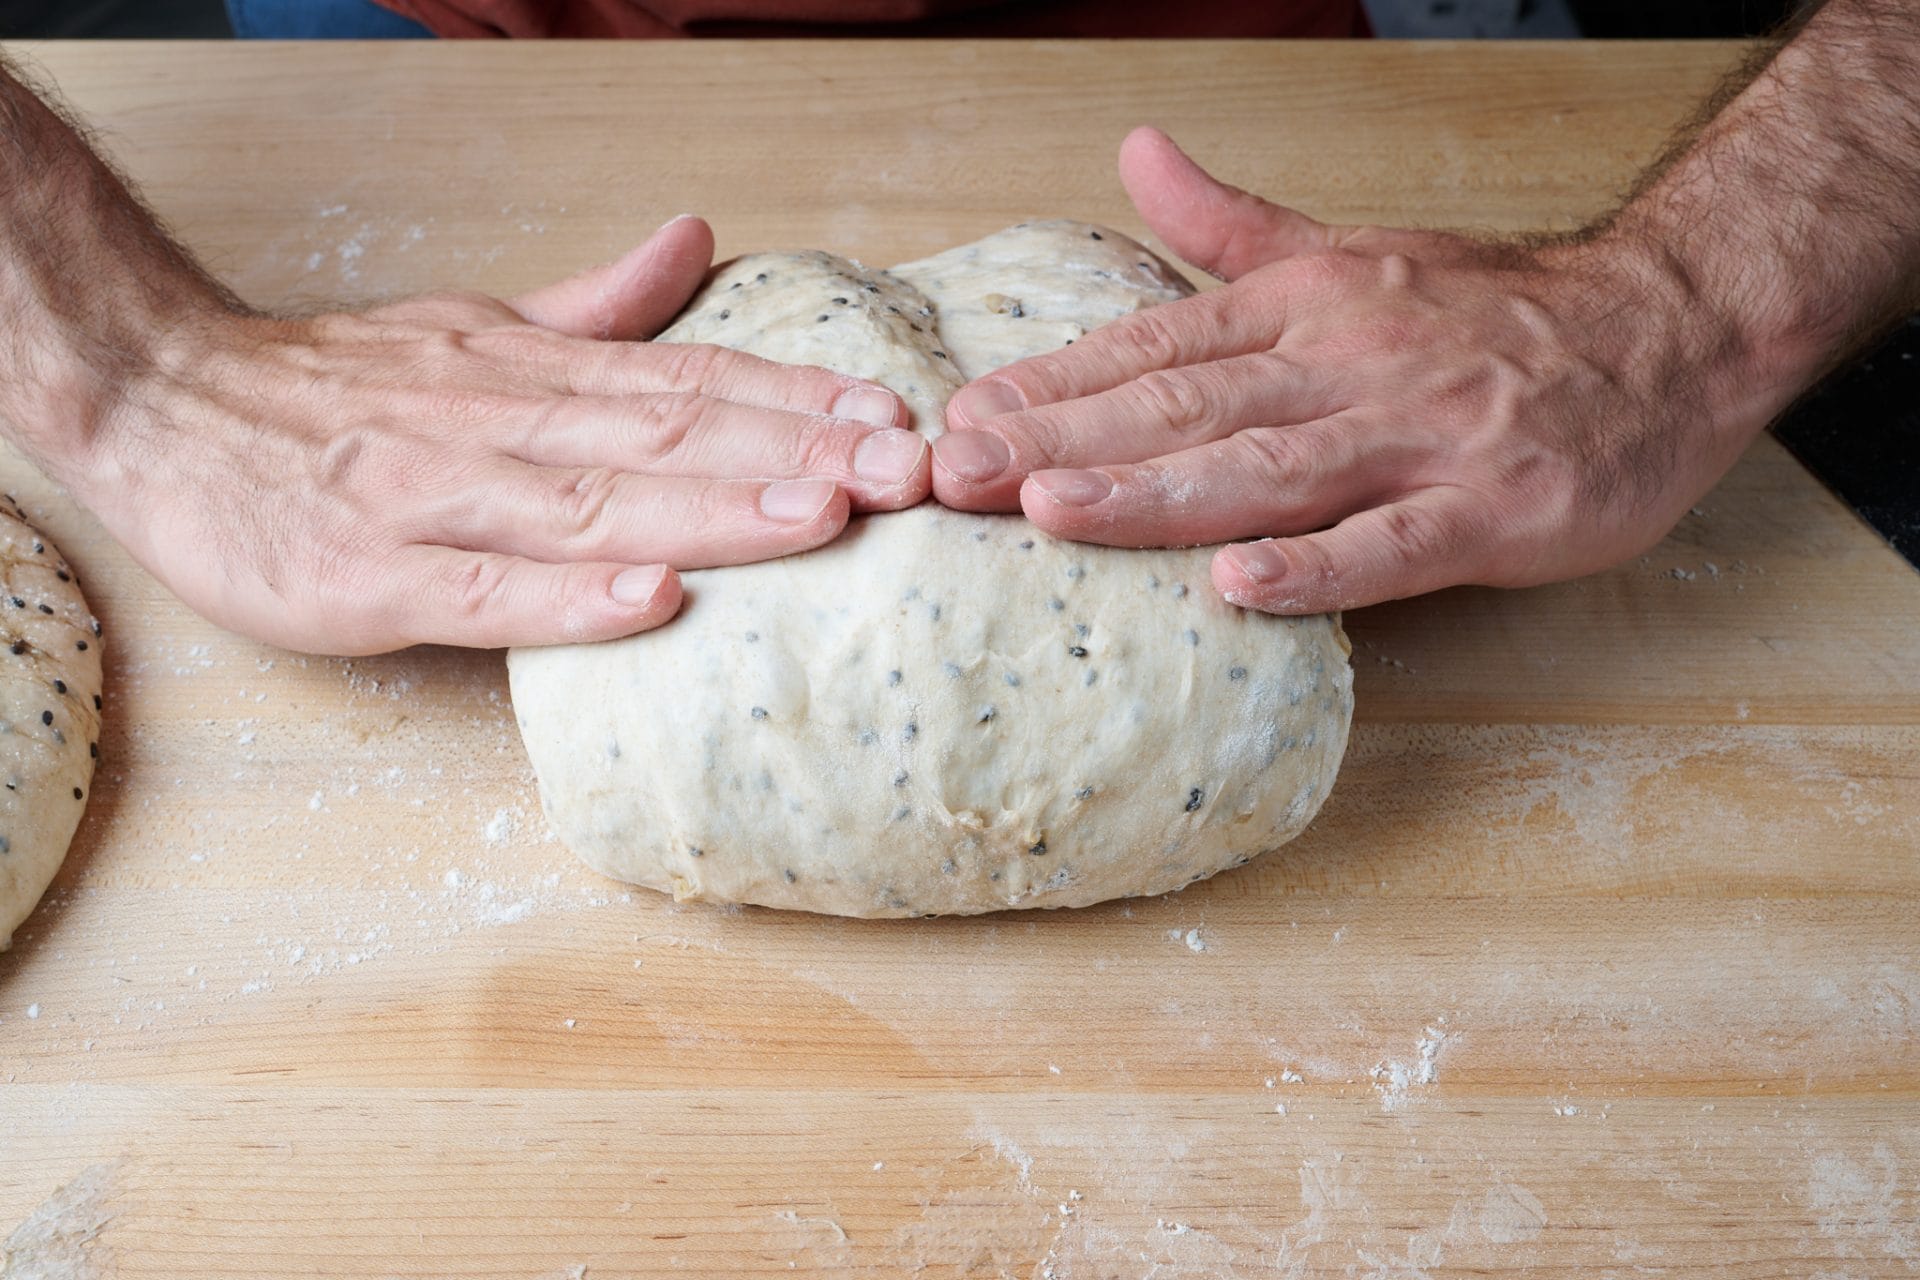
796, 501
870, 405
1073, 488
889, 457
637, 586
973, 456
985, 400
1259, 561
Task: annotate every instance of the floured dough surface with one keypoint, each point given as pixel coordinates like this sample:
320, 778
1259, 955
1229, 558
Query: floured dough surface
49, 713
939, 712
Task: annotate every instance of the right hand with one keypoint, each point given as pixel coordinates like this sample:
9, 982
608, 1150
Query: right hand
456, 469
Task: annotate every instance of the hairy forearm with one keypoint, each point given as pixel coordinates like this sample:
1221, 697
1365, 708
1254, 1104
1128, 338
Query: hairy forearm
1794, 214
91, 287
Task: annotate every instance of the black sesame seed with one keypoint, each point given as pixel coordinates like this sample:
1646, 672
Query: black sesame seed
96, 702
788, 873
725, 314
93, 749
1179, 591
1077, 650
901, 815
39, 548
1075, 571
46, 717
1195, 798
893, 309
893, 678
1191, 636
840, 302
734, 285
868, 737
985, 714
1081, 629
1090, 677
1026, 544
761, 278
96, 626
1012, 680
940, 355
1038, 847
933, 613
6, 845
81, 645
1096, 235
17, 648
953, 672
1084, 793
1236, 673
759, 713
1056, 604
980, 536
909, 733
698, 853
78, 794
59, 686
46, 608
900, 778
820, 319
753, 637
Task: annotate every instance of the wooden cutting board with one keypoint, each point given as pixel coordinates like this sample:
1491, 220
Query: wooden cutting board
1602, 960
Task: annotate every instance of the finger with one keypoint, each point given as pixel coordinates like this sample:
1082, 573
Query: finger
881, 468
1271, 480
578, 368
1385, 553
562, 515
1161, 412
1211, 326
633, 297
489, 601
1223, 230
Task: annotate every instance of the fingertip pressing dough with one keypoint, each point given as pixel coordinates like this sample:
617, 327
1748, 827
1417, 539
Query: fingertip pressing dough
49, 713
939, 712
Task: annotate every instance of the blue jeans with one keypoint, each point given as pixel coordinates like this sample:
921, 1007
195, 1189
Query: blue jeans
319, 20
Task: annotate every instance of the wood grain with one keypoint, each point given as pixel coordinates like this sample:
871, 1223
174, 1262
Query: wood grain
1601, 961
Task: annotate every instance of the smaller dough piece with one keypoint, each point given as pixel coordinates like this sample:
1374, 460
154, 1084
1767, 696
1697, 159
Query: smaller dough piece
49, 713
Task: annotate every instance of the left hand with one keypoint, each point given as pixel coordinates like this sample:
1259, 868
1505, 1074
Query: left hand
1389, 412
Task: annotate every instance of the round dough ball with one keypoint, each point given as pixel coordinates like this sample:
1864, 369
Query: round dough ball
49, 713
939, 712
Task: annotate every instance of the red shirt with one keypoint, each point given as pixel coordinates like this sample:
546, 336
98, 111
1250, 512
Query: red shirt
658, 19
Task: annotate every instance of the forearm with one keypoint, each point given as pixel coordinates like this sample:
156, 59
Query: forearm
1793, 218
91, 287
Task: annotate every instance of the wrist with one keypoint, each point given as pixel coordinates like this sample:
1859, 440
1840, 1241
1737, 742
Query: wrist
90, 373
1680, 332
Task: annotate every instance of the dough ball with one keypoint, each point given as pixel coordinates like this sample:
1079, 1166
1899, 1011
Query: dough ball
49, 713
939, 712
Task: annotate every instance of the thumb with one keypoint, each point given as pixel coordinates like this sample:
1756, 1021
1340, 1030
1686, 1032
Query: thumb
632, 297
1223, 230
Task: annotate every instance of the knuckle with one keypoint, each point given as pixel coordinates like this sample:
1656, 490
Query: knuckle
664, 420
580, 503
479, 588
1281, 458
1147, 335
1421, 535
691, 364
1176, 398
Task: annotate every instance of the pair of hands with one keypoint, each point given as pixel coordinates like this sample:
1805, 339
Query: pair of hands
1380, 412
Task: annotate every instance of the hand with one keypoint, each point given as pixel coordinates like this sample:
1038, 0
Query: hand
1389, 412
457, 469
